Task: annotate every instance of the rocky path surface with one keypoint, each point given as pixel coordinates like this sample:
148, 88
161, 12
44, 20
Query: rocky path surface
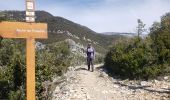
80, 84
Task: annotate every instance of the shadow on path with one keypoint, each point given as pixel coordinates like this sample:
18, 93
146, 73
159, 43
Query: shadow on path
144, 88
80, 69
134, 87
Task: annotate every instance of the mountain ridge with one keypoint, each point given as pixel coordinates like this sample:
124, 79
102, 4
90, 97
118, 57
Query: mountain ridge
60, 29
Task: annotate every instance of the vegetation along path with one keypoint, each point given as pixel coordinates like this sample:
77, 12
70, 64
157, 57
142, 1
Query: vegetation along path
81, 84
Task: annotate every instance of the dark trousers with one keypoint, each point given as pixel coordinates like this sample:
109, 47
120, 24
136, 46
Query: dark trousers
90, 63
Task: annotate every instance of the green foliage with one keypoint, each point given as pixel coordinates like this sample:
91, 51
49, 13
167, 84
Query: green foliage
99, 59
4, 89
142, 58
17, 72
133, 60
160, 34
11, 66
5, 17
52, 60
140, 28
15, 95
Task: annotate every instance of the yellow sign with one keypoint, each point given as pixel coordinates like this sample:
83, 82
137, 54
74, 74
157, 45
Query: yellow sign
23, 30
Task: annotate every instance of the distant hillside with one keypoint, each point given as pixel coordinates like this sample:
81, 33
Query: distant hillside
60, 29
119, 33
123, 34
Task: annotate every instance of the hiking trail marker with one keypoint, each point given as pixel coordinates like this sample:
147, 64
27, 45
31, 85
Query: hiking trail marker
29, 31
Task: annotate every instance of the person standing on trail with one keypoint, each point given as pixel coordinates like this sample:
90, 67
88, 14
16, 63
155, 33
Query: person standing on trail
90, 56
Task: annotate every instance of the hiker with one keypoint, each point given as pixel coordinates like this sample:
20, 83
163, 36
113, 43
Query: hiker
90, 56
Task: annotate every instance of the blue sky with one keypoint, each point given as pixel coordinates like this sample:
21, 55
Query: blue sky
100, 15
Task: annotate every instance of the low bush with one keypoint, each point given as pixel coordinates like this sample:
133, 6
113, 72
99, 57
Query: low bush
143, 58
52, 60
133, 60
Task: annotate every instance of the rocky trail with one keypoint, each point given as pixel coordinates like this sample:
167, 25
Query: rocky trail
81, 84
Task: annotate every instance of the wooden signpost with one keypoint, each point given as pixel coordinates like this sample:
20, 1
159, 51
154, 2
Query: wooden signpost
30, 31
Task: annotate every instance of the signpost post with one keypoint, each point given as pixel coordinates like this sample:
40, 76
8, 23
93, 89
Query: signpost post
30, 31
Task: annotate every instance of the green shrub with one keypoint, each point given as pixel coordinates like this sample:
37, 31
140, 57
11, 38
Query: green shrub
133, 60
50, 61
160, 35
14, 95
99, 59
143, 58
11, 66
4, 89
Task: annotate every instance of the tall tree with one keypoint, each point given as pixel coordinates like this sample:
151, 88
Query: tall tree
160, 34
140, 28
